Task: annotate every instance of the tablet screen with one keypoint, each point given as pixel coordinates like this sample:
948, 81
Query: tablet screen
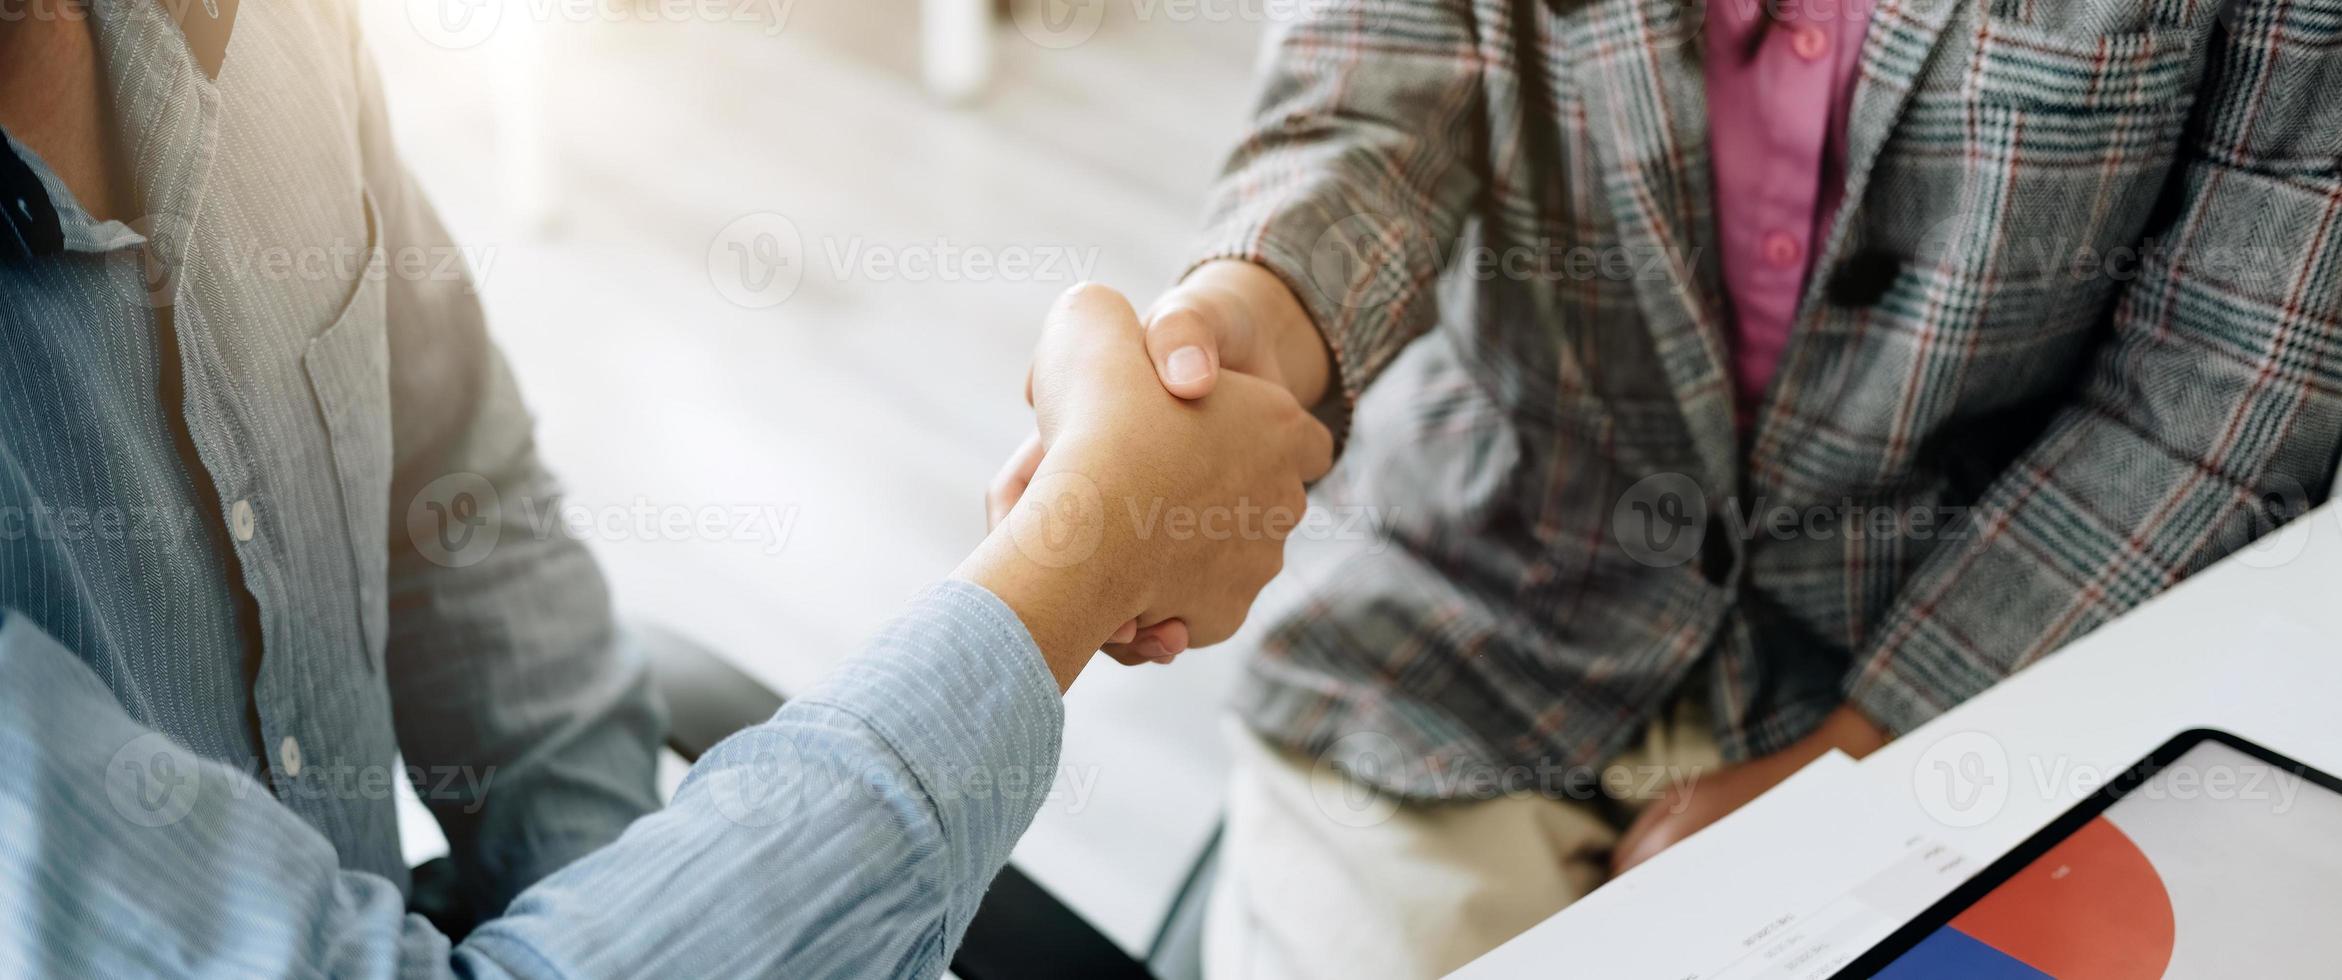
2221, 865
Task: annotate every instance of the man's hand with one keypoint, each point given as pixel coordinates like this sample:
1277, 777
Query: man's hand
1717, 794
1226, 317
1241, 317
1141, 507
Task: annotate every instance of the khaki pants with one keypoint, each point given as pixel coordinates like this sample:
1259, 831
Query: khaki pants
1310, 889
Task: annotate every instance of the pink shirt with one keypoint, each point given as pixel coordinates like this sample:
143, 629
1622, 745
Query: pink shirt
1777, 133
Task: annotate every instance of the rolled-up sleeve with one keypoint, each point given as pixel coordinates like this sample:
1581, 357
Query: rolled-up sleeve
852, 835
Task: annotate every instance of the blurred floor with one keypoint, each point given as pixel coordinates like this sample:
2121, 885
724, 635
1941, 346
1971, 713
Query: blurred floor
868, 408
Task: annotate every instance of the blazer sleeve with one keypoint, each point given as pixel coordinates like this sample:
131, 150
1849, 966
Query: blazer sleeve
2212, 413
1358, 170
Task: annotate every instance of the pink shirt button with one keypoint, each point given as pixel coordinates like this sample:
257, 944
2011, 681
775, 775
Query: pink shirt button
1810, 42
1782, 249
1779, 93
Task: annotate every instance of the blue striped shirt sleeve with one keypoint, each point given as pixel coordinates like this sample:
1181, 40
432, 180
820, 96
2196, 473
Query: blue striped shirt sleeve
851, 835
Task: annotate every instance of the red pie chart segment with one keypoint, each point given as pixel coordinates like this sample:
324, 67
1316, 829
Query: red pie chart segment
2092, 908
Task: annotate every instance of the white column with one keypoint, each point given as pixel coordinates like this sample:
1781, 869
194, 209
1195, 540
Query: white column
955, 47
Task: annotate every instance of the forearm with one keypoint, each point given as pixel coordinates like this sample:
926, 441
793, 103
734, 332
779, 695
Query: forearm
1067, 607
853, 834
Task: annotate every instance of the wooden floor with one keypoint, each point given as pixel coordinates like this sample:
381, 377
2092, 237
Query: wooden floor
869, 408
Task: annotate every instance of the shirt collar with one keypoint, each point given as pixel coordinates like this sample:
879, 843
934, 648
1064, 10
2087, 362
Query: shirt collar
35, 211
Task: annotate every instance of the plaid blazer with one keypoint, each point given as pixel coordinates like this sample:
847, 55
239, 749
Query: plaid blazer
2076, 333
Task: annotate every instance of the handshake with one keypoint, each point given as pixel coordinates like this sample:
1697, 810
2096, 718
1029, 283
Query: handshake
1168, 465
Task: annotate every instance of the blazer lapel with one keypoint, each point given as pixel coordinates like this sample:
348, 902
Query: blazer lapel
1645, 81
1903, 33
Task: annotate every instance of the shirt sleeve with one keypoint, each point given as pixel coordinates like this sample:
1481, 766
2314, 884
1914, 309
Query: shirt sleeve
851, 835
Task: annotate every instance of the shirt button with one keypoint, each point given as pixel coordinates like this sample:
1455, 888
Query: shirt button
240, 521
1810, 42
288, 755
1782, 249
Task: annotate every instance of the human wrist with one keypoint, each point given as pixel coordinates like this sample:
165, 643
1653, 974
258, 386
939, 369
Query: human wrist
1056, 561
1064, 623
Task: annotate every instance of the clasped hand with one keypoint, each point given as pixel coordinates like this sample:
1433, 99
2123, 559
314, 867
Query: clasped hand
1133, 509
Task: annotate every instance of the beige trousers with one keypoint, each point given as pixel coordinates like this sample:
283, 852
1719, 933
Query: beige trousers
1321, 877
